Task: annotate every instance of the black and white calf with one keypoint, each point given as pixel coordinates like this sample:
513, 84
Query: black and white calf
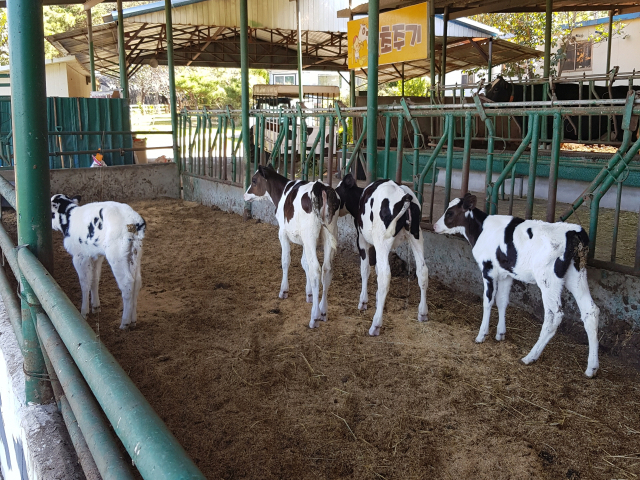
552, 255
93, 232
385, 215
305, 213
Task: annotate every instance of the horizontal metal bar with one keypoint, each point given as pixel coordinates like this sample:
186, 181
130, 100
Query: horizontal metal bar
8, 191
101, 443
85, 458
9, 250
152, 447
614, 267
11, 305
106, 132
84, 152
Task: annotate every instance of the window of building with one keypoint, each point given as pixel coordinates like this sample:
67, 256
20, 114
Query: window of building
578, 56
284, 79
467, 78
329, 80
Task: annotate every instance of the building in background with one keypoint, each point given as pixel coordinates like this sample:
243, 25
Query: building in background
66, 77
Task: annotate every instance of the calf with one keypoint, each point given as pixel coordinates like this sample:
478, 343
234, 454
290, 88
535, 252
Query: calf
305, 212
552, 255
93, 232
385, 215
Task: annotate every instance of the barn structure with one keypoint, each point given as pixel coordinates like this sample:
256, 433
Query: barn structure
441, 147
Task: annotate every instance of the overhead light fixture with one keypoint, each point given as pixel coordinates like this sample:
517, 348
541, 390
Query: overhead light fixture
153, 62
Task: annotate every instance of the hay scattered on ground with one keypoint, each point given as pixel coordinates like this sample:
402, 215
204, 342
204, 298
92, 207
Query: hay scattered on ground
251, 392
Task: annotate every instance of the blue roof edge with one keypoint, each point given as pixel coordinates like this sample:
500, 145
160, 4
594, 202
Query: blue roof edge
601, 21
468, 25
150, 8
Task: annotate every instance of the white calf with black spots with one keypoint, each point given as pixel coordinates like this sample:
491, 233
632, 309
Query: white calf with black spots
386, 215
305, 212
93, 232
551, 255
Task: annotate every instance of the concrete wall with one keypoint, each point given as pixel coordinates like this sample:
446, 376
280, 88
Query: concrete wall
568, 190
118, 184
34, 443
449, 259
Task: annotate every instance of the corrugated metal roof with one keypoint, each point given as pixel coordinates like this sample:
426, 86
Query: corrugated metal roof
315, 15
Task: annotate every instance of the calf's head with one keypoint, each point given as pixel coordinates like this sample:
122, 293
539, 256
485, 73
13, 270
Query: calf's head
349, 194
61, 207
259, 184
457, 216
499, 90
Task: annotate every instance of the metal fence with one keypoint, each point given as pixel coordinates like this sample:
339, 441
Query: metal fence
210, 146
88, 383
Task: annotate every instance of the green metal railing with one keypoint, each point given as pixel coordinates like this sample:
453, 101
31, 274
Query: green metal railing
88, 382
298, 151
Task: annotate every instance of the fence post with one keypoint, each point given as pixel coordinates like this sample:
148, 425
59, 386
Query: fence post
31, 149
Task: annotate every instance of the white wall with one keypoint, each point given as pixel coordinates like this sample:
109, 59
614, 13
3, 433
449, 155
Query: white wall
624, 48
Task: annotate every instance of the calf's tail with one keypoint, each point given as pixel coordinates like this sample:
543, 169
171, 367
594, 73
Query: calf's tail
391, 229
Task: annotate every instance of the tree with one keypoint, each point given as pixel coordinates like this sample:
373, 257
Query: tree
213, 87
4, 38
529, 29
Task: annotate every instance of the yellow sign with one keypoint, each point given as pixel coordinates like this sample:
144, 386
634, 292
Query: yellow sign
402, 37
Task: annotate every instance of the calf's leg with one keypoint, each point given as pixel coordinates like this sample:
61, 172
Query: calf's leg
363, 247
576, 283
423, 275
97, 272
327, 273
84, 267
384, 279
551, 287
488, 298
126, 282
313, 278
305, 267
286, 261
503, 286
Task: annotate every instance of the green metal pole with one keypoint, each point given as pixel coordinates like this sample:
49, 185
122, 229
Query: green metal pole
372, 89
244, 74
432, 47
553, 168
31, 150
533, 164
300, 89
153, 449
173, 99
547, 38
387, 146
122, 59
96, 431
443, 63
609, 41
450, 137
490, 62
92, 65
466, 156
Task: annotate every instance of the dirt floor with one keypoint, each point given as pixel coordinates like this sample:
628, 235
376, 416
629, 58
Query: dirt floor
251, 392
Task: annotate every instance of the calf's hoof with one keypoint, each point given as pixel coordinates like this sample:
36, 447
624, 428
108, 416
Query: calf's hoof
480, 338
284, 295
313, 323
362, 306
374, 331
422, 317
500, 336
128, 326
528, 360
591, 372
323, 316
95, 309
309, 298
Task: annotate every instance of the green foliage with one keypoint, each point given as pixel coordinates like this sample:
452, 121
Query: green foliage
213, 87
529, 29
416, 87
4, 36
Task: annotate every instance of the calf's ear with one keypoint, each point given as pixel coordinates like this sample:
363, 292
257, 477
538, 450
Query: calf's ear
76, 199
348, 180
262, 171
469, 202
